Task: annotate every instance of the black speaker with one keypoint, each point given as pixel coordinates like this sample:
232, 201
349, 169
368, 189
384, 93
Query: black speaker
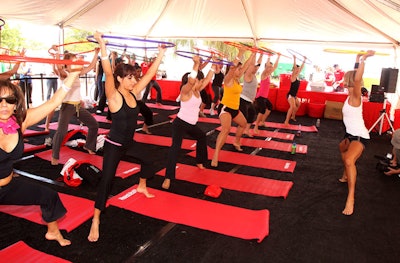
377, 94
389, 79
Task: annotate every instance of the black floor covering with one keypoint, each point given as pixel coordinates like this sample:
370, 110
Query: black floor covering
307, 226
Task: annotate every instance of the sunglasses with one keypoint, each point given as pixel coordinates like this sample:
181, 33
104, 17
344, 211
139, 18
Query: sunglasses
9, 99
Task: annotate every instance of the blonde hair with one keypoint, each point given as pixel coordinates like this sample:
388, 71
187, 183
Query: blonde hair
349, 79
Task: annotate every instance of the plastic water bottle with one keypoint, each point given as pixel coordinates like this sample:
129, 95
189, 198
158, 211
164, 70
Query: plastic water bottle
293, 148
318, 123
298, 133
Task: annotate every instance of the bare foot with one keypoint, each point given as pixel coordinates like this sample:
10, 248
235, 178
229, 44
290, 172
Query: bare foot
54, 161
58, 237
214, 163
89, 151
200, 166
166, 184
343, 179
146, 130
349, 208
143, 190
255, 130
286, 123
237, 147
94, 231
293, 119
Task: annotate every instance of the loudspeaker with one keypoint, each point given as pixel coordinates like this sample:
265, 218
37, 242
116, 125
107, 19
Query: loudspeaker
389, 79
377, 94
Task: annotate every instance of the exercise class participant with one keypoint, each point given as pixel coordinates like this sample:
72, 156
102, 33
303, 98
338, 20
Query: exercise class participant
14, 189
353, 144
121, 91
262, 104
294, 102
72, 106
186, 120
229, 108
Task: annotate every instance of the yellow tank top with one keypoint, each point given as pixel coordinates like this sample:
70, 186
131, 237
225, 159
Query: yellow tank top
231, 97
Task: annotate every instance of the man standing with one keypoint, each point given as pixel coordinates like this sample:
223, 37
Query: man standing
339, 78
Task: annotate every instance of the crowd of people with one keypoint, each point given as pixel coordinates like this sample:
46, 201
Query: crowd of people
124, 87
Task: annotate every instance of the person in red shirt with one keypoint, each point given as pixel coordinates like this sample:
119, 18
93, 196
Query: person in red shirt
338, 85
153, 83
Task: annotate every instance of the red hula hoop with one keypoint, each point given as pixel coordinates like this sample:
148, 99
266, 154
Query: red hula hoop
251, 48
298, 56
42, 60
10, 50
72, 43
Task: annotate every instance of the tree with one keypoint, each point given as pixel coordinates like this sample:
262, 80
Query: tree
11, 38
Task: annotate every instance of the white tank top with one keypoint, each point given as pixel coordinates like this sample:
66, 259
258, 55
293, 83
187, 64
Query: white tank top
189, 111
353, 120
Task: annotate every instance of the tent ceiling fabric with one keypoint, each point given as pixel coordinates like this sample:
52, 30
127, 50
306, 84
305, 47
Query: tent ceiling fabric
364, 22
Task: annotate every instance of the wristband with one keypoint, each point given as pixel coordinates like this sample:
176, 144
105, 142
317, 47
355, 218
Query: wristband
104, 58
238, 58
65, 88
356, 65
258, 65
193, 74
213, 70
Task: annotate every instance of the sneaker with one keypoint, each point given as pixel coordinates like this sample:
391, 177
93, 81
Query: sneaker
201, 114
212, 113
99, 112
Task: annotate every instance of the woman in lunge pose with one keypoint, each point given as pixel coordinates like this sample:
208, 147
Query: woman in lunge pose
357, 135
121, 91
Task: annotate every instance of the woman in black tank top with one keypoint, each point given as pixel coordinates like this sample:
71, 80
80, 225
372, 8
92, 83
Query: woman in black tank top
121, 91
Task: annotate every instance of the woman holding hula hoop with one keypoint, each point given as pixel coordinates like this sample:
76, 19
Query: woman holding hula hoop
186, 121
357, 135
8, 74
262, 104
294, 102
229, 108
15, 118
72, 106
121, 91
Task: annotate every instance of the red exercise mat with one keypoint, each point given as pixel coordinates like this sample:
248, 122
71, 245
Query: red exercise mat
29, 133
224, 219
20, 252
54, 125
295, 127
124, 168
163, 140
162, 106
30, 147
273, 145
201, 119
252, 160
79, 210
232, 181
265, 133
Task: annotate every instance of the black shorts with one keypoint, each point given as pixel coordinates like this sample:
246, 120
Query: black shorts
356, 138
262, 104
222, 108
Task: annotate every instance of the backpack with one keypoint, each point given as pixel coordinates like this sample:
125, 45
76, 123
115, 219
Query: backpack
77, 172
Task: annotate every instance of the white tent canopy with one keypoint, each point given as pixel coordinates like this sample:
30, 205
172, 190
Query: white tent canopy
348, 22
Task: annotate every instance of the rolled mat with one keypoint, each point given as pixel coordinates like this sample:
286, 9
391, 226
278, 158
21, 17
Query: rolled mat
268, 144
224, 219
252, 160
162, 106
30, 133
232, 181
20, 252
124, 168
265, 133
201, 119
78, 211
30, 147
295, 127
163, 140
54, 125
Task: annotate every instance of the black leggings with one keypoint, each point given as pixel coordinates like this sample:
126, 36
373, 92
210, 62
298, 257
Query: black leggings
22, 192
111, 158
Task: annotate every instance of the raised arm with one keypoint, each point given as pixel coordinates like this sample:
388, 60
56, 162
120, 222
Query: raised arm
360, 72
142, 83
14, 70
192, 76
36, 114
92, 64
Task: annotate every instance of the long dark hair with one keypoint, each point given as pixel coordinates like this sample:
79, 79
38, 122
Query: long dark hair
122, 70
20, 108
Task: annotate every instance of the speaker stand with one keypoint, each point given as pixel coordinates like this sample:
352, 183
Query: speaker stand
381, 119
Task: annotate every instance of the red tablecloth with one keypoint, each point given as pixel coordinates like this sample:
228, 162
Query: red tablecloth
372, 112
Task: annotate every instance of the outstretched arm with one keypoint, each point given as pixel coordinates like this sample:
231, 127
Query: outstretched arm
14, 70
